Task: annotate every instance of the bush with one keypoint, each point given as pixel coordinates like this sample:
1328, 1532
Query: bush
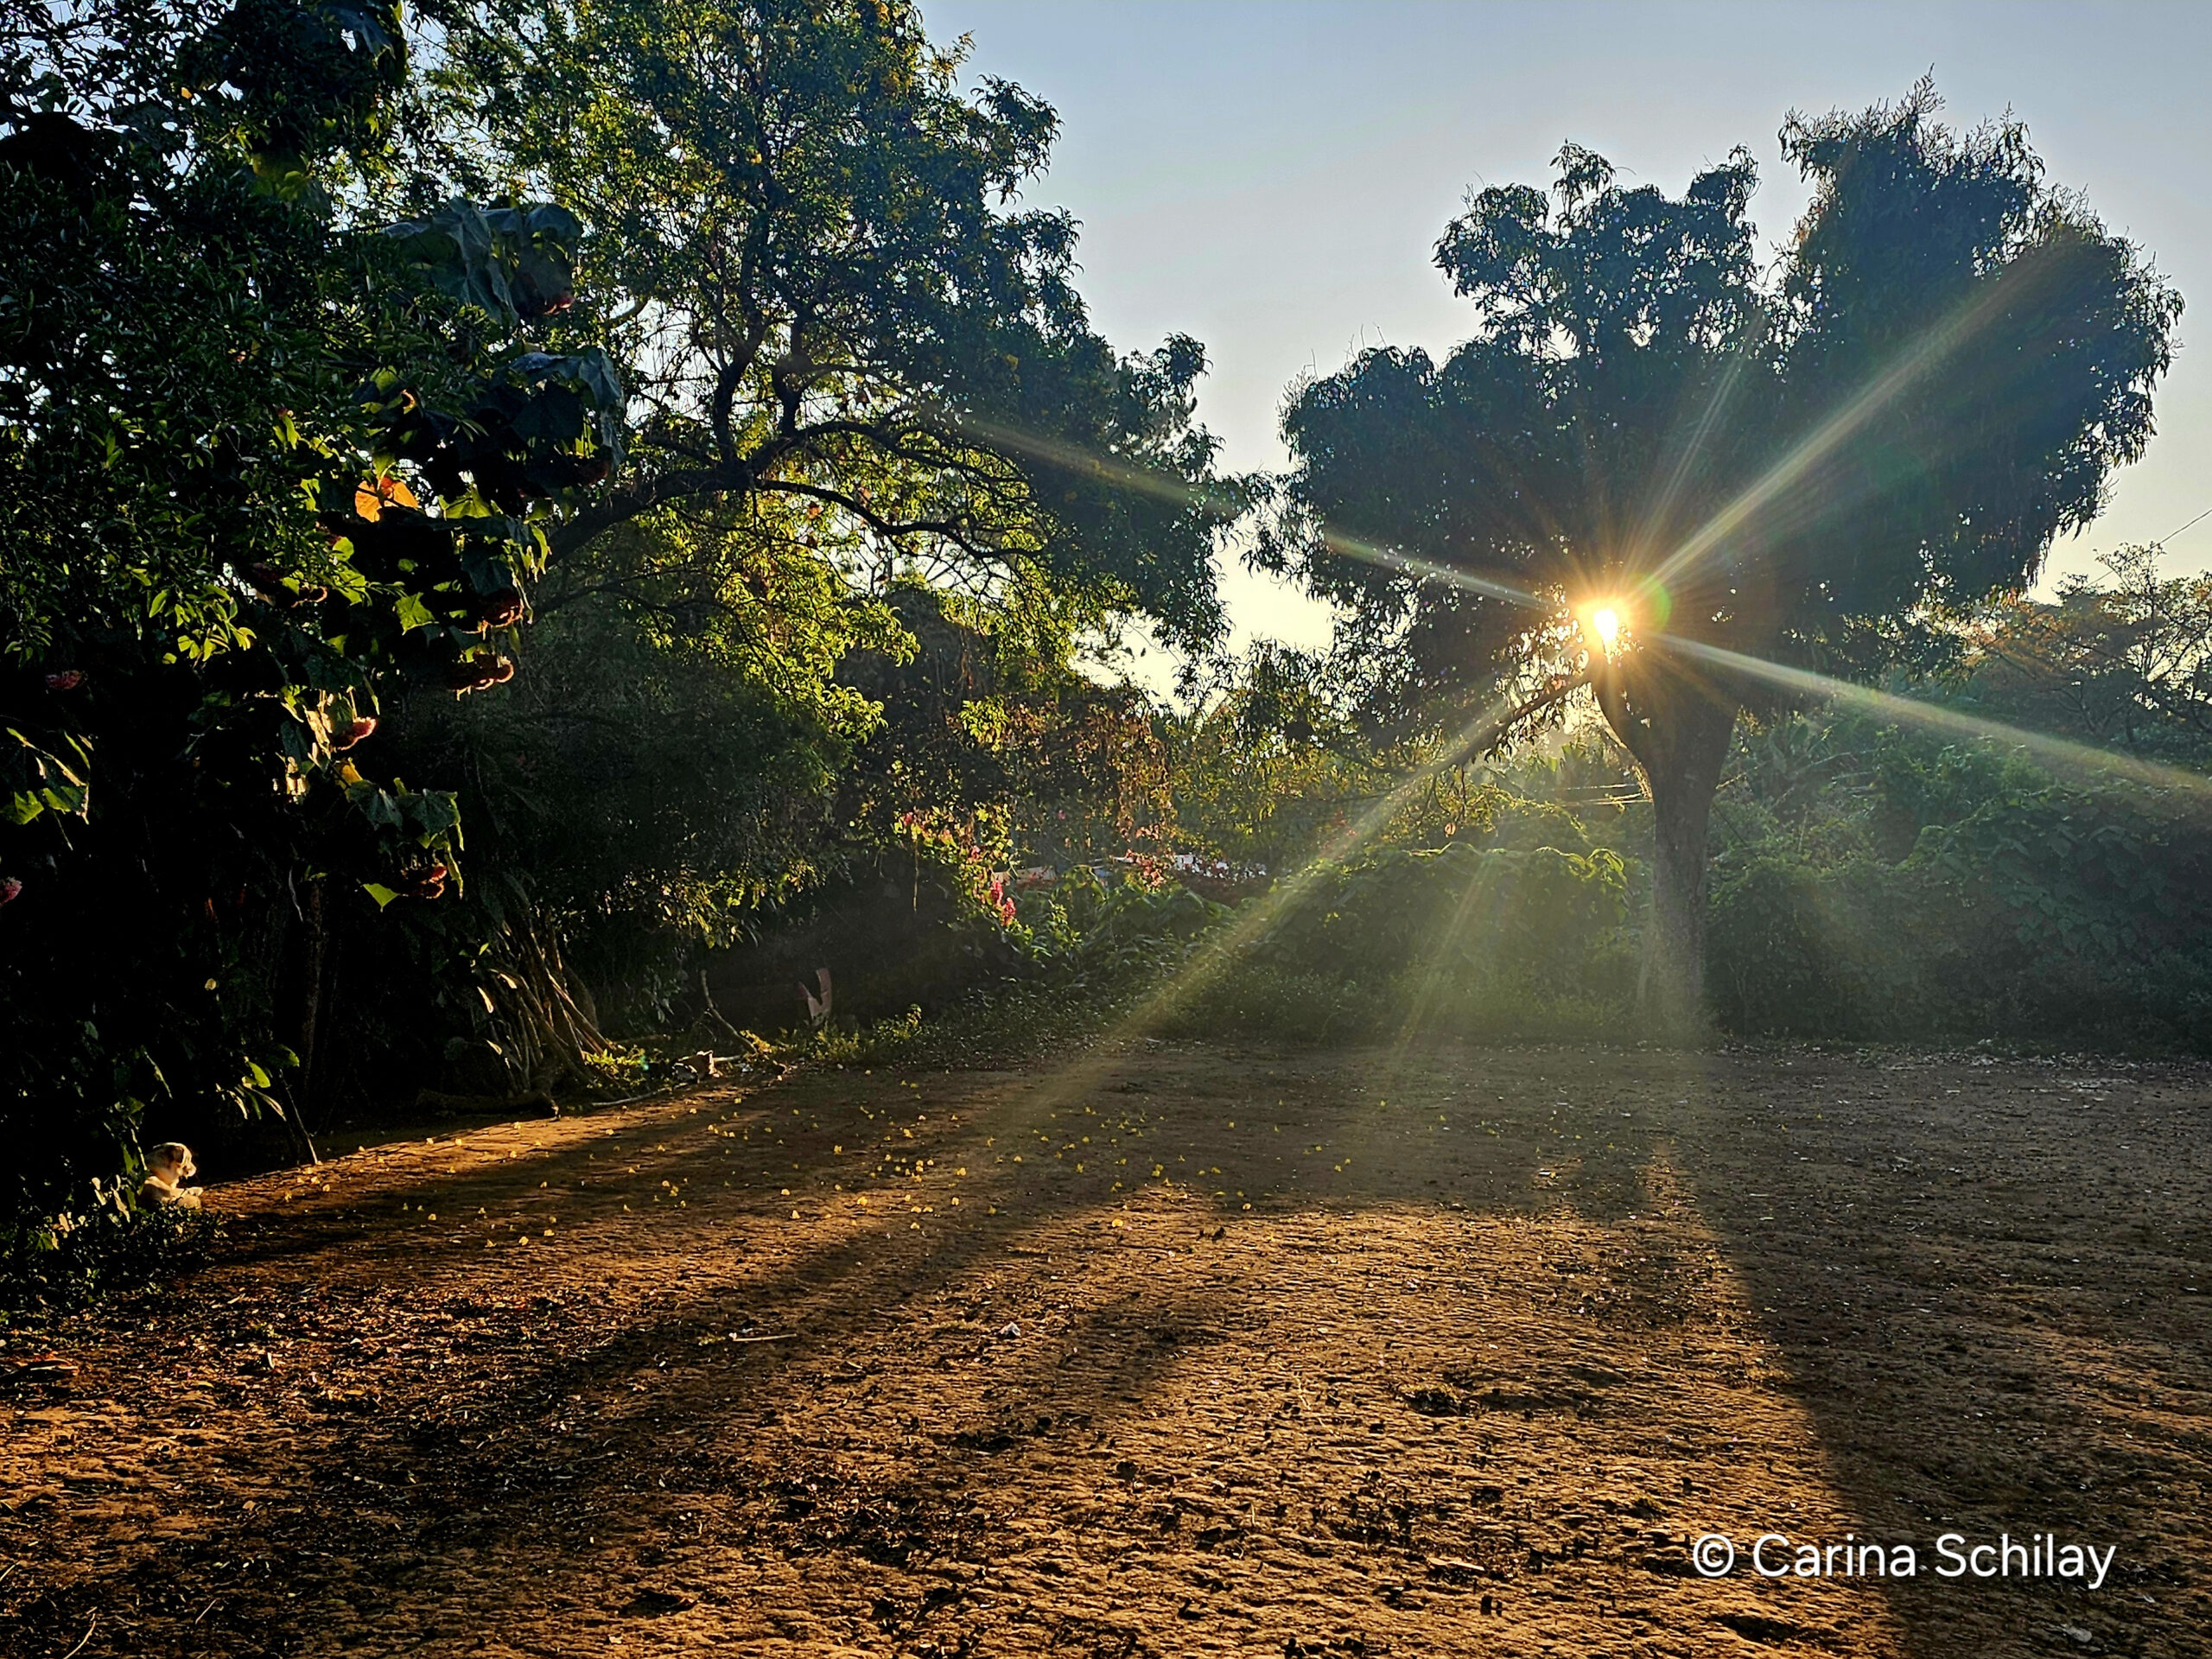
1936, 890
1090, 933
1271, 999
69, 1260
1497, 942
1793, 948
1868, 884
1538, 917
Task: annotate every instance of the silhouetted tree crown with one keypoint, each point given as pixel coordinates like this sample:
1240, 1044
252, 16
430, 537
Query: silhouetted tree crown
1818, 464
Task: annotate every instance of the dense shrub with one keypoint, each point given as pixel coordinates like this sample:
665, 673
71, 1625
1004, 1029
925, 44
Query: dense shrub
1495, 940
2023, 909
1538, 916
1869, 884
111, 1248
1092, 932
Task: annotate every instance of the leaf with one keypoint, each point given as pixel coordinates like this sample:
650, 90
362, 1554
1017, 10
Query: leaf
552, 219
595, 372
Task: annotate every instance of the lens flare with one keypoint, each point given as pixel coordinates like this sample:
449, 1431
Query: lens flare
1086, 1071
1649, 602
1656, 605
2062, 756
1927, 352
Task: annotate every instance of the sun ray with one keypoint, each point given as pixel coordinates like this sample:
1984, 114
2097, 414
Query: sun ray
2057, 753
1431, 975
1285, 898
1927, 352
2078, 760
1687, 453
1110, 469
1168, 487
2060, 754
1282, 900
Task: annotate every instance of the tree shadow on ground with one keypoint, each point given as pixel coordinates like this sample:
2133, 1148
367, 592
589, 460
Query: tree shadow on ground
1116, 1411
1981, 1278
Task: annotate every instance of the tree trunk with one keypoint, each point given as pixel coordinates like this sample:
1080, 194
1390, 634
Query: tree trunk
303, 979
313, 941
1682, 772
1677, 727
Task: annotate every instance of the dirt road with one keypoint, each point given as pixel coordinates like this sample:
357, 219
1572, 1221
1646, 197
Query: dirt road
1170, 1350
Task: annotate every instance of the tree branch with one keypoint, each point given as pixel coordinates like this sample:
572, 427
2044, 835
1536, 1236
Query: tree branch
889, 529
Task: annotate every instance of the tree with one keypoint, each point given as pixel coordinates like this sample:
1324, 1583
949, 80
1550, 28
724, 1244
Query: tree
1271, 759
1658, 466
856, 364
263, 464
987, 721
805, 241
2124, 661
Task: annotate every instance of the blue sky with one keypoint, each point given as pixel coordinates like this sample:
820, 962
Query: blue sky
1272, 178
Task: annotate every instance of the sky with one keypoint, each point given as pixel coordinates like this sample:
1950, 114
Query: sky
1272, 178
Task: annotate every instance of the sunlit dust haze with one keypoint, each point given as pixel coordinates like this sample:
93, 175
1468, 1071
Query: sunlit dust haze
1273, 178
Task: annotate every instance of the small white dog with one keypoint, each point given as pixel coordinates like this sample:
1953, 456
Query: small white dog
168, 1167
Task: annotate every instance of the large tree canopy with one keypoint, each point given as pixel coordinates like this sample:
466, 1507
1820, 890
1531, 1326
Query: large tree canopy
826, 295
262, 466
332, 354
1816, 465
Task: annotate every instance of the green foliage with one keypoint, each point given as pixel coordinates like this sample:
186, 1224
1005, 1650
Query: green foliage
1287, 1004
666, 761
265, 467
1920, 888
811, 650
986, 720
1817, 468
709, 344
1870, 882
1493, 942
881, 1040
1092, 934
1535, 916
1261, 769
2124, 661
67, 1260
809, 254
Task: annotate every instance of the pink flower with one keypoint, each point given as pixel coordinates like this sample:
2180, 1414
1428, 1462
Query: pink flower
64, 679
9, 888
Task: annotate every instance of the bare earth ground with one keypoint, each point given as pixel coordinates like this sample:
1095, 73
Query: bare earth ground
1165, 1350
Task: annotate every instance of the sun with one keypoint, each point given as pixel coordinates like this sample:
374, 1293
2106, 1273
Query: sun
1607, 622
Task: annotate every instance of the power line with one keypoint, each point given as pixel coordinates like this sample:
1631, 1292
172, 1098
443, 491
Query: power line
2199, 519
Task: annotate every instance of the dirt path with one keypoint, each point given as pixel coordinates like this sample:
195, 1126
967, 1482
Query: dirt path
1168, 1350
